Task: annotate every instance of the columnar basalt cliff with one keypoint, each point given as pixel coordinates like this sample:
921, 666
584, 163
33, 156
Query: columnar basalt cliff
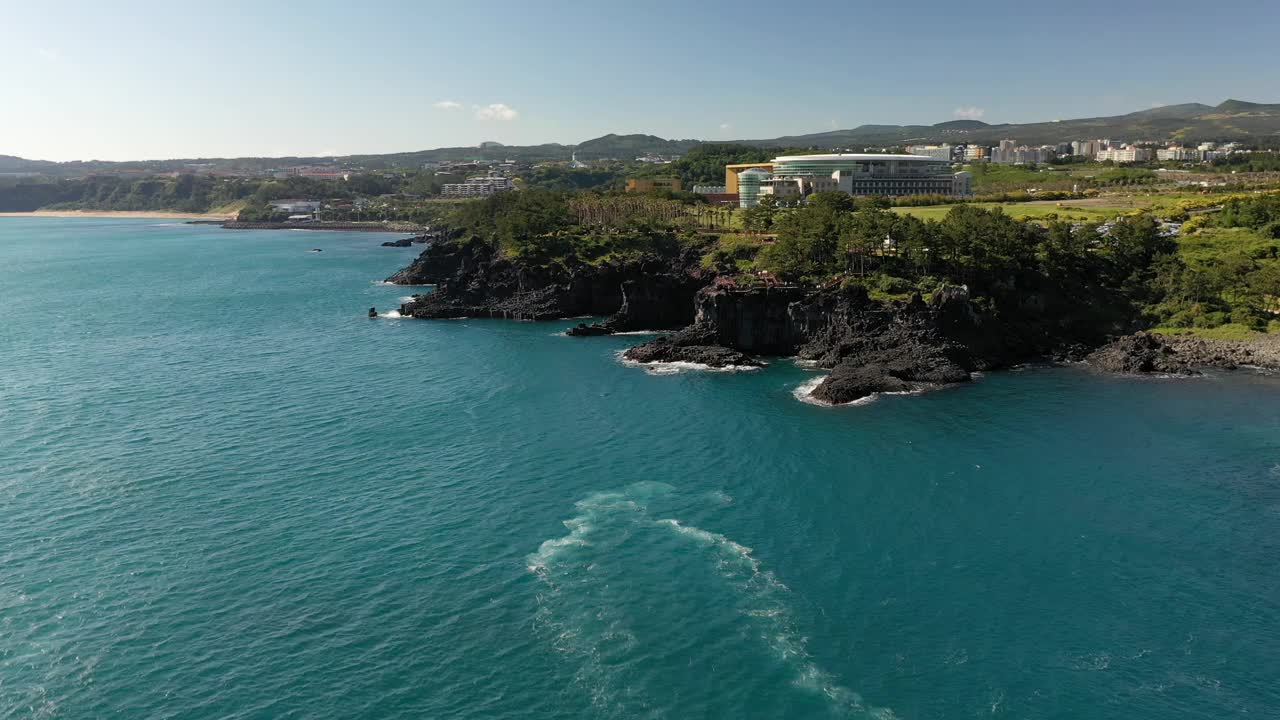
472, 281
870, 346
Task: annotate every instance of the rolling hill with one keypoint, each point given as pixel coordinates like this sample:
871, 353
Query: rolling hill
1232, 120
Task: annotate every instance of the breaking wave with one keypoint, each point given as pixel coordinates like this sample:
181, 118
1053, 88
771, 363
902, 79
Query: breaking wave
804, 392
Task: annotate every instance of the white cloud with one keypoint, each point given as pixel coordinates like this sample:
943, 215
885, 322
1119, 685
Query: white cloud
447, 105
496, 111
726, 126
969, 113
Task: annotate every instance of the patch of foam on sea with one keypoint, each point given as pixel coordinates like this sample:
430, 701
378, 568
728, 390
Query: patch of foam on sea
587, 608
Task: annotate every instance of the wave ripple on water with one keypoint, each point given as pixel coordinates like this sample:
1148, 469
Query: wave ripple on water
610, 645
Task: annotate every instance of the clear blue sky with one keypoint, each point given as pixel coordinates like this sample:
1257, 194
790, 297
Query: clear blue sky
132, 80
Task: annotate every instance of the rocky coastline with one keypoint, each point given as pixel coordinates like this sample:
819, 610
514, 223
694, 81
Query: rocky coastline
869, 346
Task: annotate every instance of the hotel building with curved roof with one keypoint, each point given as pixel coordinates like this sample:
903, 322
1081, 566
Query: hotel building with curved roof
853, 174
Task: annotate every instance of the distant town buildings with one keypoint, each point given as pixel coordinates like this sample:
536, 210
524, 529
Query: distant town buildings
1088, 148
657, 159
1126, 154
1010, 153
315, 172
1178, 153
477, 187
295, 206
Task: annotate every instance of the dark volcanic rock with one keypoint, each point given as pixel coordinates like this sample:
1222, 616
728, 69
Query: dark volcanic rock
402, 242
649, 302
1142, 353
439, 262
848, 382
694, 344
472, 281
585, 330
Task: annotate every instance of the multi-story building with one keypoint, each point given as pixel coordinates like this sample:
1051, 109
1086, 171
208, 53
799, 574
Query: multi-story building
476, 187
1089, 148
1179, 154
937, 152
1022, 155
1125, 154
852, 174
974, 153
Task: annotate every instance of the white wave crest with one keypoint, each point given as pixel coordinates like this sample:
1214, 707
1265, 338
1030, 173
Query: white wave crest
768, 606
583, 617
804, 392
390, 315
406, 299
631, 499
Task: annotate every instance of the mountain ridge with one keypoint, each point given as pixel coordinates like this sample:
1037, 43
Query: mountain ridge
1230, 120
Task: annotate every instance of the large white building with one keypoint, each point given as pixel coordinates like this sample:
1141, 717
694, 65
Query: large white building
476, 187
852, 174
1124, 155
937, 152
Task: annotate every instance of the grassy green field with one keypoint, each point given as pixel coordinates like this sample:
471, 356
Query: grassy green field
1094, 209
1230, 331
1066, 210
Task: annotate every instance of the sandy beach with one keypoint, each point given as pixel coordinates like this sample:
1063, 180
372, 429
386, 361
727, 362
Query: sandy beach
157, 215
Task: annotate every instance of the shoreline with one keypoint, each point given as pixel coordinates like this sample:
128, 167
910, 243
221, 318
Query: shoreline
101, 214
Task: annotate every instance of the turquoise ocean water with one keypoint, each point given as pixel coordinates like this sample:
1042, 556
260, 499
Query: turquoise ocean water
225, 493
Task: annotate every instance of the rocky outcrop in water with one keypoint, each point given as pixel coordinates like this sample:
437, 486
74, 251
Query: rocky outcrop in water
1146, 352
694, 344
849, 382
873, 346
1139, 353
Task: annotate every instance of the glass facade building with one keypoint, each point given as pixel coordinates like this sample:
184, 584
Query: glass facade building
749, 182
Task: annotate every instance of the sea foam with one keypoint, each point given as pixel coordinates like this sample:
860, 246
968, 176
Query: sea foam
767, 605
599, 636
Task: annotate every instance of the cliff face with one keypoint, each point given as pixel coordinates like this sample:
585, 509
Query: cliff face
871, 346
471, 281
